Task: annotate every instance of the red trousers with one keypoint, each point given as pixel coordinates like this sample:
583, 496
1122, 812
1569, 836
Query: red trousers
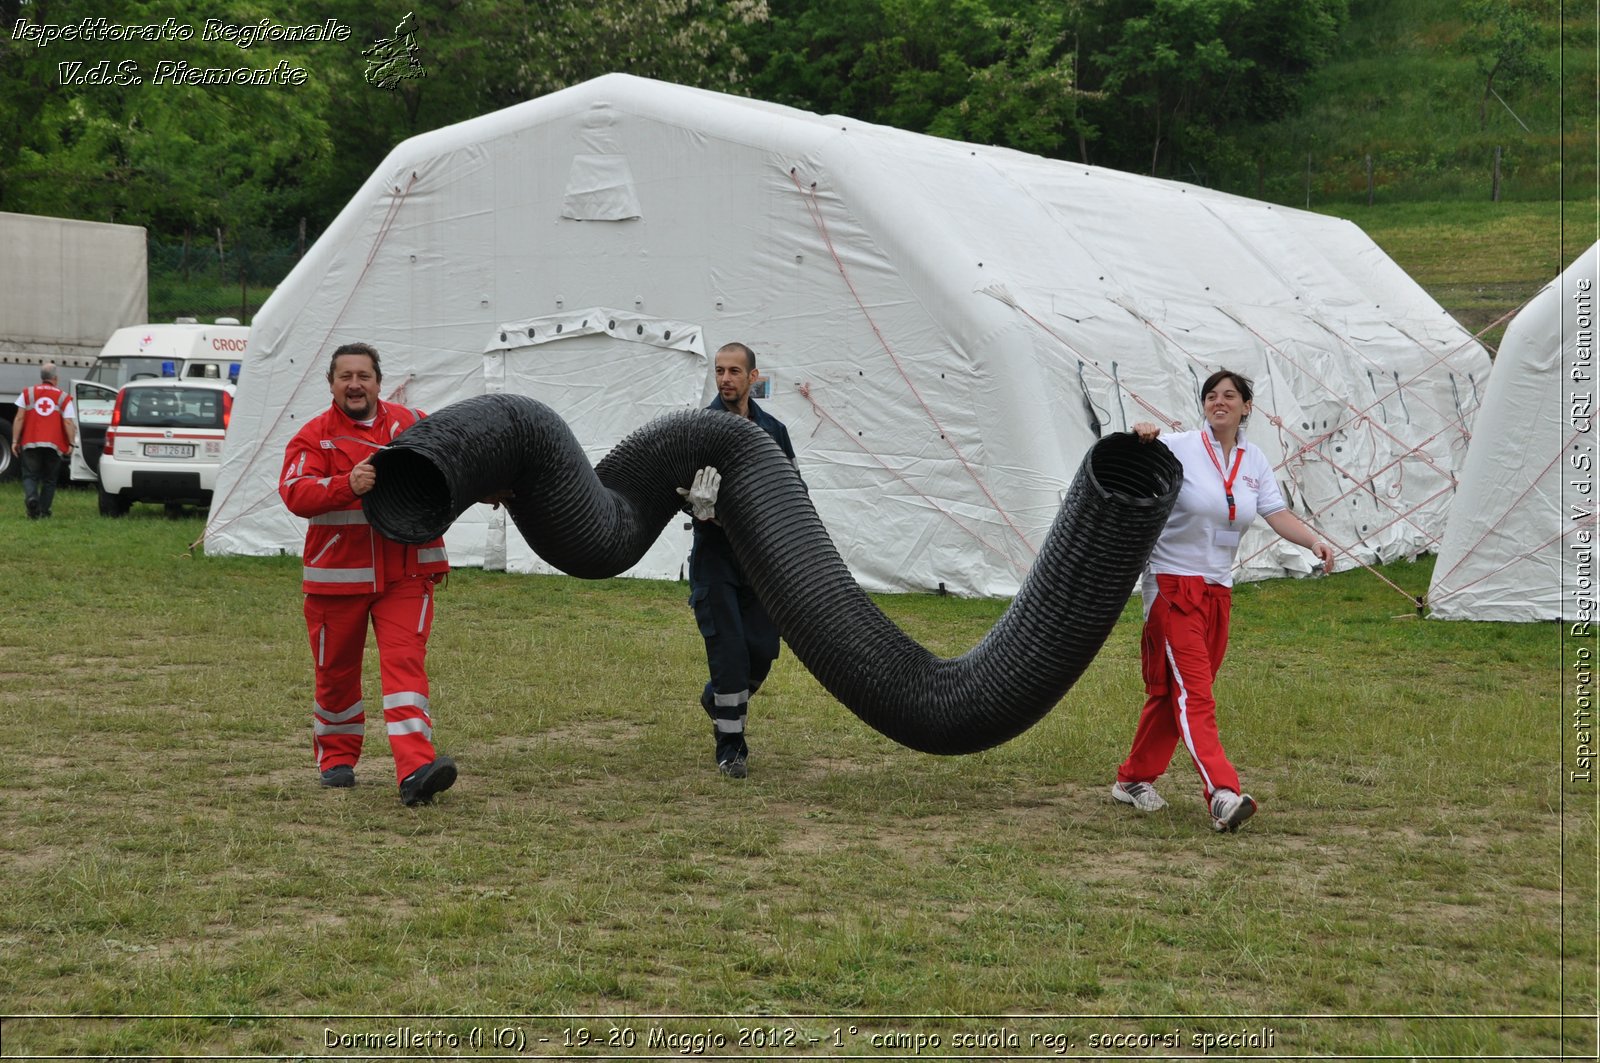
1185, 638
402, 618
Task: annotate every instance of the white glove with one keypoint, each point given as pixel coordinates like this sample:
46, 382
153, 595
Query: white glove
702, 494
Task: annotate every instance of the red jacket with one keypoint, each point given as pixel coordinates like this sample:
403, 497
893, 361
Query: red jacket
343, 555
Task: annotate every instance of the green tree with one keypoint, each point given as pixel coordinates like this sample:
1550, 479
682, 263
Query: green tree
1027, 98
1137, 84
897, 62
810, 55
1163, 62
100, 129
995, 71
187, 158
479, 56
1169, 76
1503, 35
482, 55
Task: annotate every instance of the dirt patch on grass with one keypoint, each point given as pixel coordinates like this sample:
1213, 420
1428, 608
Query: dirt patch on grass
39, 860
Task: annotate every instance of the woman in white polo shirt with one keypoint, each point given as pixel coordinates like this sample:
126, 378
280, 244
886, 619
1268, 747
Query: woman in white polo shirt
1187, 593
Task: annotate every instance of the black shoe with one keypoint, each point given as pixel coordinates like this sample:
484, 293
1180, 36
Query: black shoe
339, 777
434, 777
732, 756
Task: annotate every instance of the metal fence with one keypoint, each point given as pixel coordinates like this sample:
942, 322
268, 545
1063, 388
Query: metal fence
1317, 178
219, 274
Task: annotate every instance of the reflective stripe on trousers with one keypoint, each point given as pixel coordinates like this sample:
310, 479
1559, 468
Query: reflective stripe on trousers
401, 618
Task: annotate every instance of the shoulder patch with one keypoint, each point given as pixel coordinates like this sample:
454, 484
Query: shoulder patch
327, 444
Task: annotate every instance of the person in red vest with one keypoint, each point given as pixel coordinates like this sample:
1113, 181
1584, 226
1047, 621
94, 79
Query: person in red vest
354, 576
42, 432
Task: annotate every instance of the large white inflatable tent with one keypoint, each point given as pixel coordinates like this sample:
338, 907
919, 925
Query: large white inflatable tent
1520, 544
945, 327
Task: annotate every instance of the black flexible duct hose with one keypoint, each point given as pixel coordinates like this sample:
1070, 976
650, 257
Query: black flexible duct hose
597, 522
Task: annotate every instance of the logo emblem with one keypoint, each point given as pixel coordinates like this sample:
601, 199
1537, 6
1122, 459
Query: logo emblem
44, 406
392, 60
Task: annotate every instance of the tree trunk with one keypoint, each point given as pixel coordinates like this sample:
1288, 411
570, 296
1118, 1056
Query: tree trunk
1483, 101
1155, 146
413, 105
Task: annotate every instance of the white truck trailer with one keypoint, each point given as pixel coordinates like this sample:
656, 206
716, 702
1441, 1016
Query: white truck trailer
68, 285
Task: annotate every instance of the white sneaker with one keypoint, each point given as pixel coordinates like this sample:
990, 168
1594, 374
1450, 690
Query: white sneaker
1140, 795
1229, 810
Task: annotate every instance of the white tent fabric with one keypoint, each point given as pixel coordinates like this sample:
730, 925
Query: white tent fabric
1520, 542
946, 327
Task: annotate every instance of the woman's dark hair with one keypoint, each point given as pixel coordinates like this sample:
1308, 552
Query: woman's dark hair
1240, 381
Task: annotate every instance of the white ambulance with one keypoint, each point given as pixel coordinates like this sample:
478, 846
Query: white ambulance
184, 350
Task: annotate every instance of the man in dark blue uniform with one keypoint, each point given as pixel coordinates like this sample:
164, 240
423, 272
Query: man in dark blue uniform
741, 639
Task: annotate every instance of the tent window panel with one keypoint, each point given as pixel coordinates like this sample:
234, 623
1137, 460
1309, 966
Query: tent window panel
600, 188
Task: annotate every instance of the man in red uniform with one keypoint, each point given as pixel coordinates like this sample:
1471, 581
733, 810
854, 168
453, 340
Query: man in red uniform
353, 575
41, 437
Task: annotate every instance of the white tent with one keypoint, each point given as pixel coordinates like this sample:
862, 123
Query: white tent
1520, 543
946, 327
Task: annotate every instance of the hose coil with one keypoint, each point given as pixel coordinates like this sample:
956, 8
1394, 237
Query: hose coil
598, 521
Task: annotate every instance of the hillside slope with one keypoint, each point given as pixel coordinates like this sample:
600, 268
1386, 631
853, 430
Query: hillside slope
1402, 90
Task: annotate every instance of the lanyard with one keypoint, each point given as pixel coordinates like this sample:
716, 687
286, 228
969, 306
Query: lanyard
1227, 478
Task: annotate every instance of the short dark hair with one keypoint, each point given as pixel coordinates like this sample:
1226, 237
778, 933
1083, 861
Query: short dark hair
357, 348
749, 355
1240, 381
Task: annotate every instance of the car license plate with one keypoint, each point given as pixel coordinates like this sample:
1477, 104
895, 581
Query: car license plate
169, 450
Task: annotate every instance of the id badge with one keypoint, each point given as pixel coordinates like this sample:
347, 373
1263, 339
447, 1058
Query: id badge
1226, 538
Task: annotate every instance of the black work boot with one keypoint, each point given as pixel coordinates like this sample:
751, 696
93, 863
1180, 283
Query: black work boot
339, 777
434, 777
732, 755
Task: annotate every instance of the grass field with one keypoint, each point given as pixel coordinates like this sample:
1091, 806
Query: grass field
1403, 90
1417, 883
1479, 261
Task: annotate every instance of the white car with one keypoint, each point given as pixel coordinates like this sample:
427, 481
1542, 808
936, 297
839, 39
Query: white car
164, 443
